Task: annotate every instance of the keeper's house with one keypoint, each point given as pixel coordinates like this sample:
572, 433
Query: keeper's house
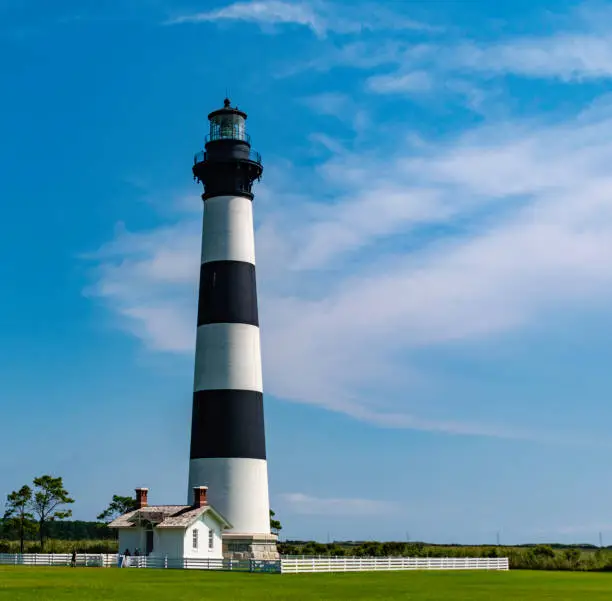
173, 531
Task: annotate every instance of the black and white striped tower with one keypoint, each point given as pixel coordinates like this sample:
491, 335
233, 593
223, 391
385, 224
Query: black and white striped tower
228, 449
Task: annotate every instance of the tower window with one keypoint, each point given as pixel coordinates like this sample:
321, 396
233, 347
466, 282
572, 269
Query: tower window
195, 538
211, 539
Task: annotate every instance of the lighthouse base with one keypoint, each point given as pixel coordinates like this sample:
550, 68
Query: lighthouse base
250, 546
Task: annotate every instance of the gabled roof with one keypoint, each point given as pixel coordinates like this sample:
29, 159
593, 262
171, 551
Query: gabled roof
167, 516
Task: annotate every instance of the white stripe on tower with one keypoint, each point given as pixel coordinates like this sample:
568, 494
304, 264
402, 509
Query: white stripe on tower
227, 231
228, 357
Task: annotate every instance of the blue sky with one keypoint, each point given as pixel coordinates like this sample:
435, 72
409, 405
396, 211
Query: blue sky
434, 248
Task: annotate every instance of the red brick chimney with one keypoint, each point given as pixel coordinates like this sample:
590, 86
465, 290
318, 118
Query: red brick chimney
199, 496
141, 497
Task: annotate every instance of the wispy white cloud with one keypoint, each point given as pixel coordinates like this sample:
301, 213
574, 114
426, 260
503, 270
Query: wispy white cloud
330, 103
528, 217
360, 54
568, 57
341, 106
148, 278
321, 17
415, 81
260, 11
304, 504
582, 51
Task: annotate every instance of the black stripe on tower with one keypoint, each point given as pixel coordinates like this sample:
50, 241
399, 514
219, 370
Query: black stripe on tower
228, 293
228, 167
227, 176
228, 423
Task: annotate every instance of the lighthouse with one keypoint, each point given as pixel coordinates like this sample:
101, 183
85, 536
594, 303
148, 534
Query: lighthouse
228, 447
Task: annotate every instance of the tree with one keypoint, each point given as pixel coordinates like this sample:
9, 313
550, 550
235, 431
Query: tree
118, 506
572, 556
48, 501
275, 525
544, 551
17, 504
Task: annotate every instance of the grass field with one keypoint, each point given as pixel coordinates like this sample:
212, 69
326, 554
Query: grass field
95, 584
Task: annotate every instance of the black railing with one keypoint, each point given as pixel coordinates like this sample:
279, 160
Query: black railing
200, 157
228, 135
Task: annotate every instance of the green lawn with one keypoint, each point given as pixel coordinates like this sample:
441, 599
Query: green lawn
96, 584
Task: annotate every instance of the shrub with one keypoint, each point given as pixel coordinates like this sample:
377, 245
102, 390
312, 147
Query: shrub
61, 546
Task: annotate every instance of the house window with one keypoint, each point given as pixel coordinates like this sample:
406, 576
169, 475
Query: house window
211, 539
195, 538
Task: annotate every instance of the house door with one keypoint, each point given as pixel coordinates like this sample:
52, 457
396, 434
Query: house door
149, 549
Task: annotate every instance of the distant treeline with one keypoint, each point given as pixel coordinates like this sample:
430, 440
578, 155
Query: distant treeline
60, 546
66, 530
349, 544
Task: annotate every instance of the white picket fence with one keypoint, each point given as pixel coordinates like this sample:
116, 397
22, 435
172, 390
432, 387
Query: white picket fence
98, 560
172, 563
294, 565
113, 560
286, 565
187, 563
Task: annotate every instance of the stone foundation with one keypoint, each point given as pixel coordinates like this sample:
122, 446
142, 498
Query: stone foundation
250, 546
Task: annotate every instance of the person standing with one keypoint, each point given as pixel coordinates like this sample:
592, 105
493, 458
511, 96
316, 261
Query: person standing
126, 559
